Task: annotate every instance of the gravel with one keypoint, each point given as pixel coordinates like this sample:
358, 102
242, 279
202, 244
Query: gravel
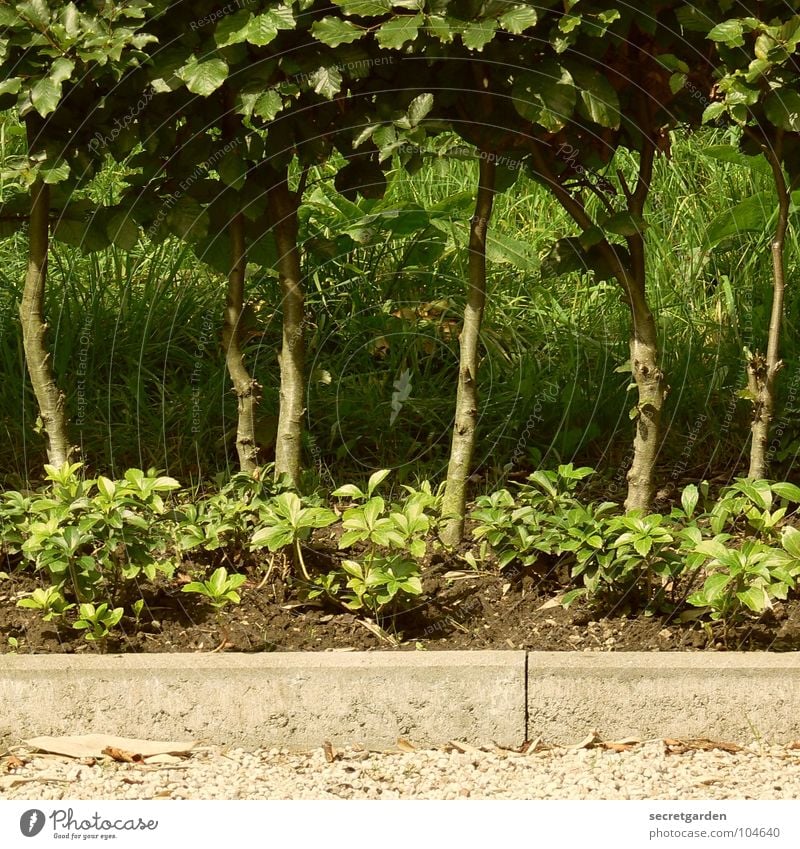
645, 771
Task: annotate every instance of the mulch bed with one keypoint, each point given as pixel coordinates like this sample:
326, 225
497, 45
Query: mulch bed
472, 611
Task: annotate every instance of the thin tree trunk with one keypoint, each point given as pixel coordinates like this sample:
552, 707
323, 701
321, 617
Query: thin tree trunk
466, 417
645, 369
49, 397
762, 371
288, 449
643, 343
248, 391
651, 389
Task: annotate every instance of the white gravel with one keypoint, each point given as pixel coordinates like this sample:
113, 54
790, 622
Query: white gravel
645, 771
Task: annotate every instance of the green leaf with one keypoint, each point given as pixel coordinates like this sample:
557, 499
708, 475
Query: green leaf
35, 12
335, 31
45, 96
787, 491
122, 230
624, 224
749, 216
364, 8
713, 111
273, 538
418, 109
349, 490
187, 219
689, 498
518, 19
714, 587
782, 108
476, 36
376, 479
599, 99
232, 29
54, 172
712, 548
204, 78
262, 30
395, 33
268, 105
730, 32
546, 96
791, 542
11, 85
326, 81
232, 170
755, 598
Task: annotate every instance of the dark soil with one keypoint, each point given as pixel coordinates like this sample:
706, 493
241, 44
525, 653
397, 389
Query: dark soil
471, 611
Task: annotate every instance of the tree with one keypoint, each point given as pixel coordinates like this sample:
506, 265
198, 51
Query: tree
758, 82
52, 57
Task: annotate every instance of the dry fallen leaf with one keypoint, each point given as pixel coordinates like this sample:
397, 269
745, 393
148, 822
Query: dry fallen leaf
12, 762
121, 756
405, 746
464, 748
92, 745
587, 743
330, 753
624, 745
163, 759
698, 744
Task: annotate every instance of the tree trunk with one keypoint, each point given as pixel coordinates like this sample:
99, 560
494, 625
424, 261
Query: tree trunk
248, 391
643, 344
647, 375
49, 397
466, 417
762, 371
288, 449
649, 381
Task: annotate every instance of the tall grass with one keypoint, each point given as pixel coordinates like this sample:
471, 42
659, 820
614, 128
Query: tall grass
137, 349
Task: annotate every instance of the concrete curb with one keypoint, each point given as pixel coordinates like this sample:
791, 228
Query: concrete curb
736, 696
297, 700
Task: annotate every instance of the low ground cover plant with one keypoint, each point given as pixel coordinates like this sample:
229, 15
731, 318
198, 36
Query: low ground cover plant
96, 544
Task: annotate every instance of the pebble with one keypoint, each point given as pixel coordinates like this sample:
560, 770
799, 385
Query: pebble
643, 772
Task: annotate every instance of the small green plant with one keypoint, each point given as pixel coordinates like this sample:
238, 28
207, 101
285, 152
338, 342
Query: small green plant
98, 621
377, 581
390, 540
95, 535
48, 600
288, 522
743, 579
219, 589
749, 506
